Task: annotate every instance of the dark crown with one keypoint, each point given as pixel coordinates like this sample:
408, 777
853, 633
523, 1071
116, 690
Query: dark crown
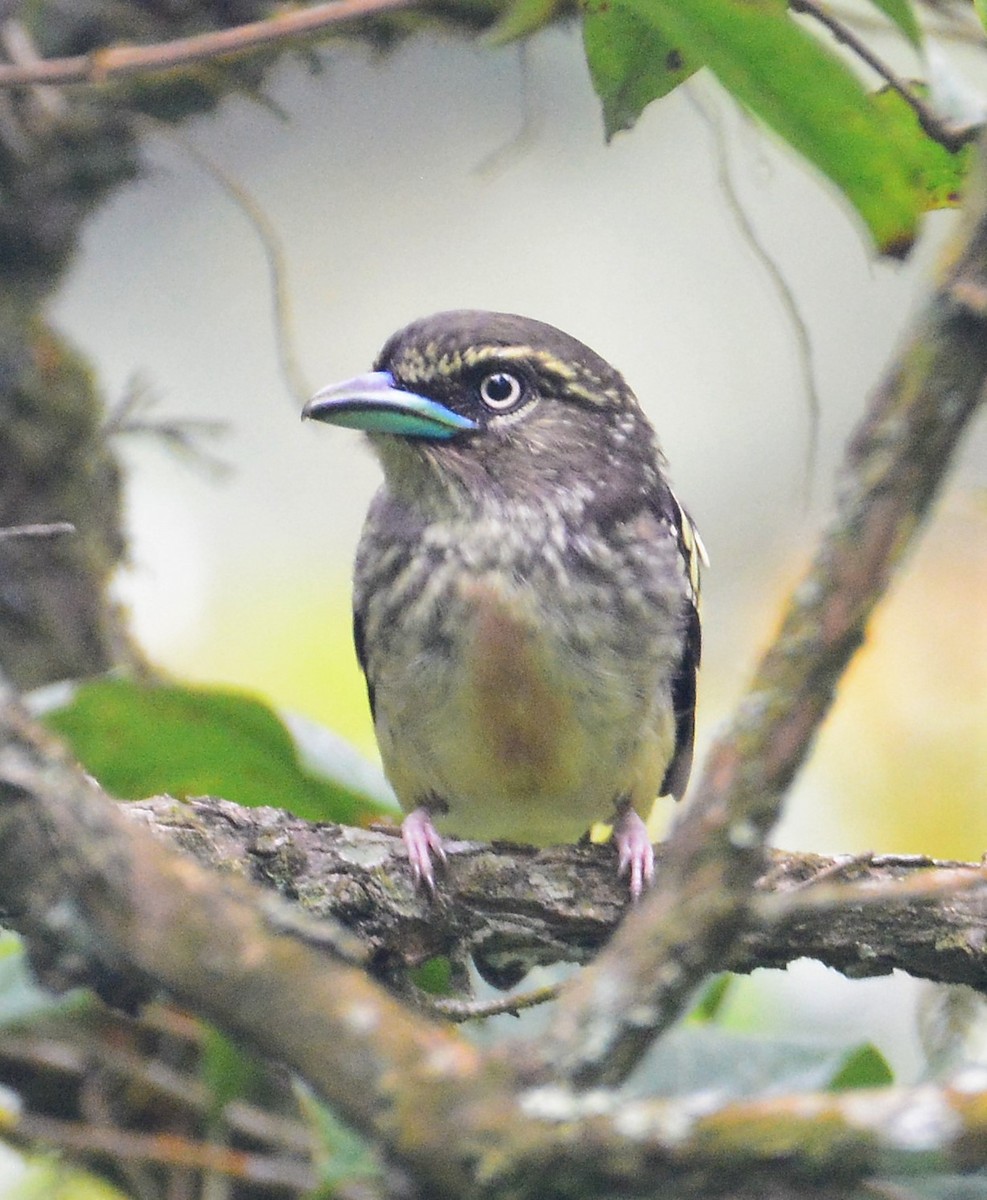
440, 349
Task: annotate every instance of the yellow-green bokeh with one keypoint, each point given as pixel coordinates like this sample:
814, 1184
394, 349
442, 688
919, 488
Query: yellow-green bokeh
291, 640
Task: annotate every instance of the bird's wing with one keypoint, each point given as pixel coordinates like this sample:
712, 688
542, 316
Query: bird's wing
391, 540
359, 641
684, 680
684, 702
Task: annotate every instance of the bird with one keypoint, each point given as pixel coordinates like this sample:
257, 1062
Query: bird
526, 590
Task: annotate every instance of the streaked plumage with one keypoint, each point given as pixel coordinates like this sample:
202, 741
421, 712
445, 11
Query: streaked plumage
525, 592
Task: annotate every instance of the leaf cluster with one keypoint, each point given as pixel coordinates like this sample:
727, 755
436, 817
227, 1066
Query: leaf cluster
872, 147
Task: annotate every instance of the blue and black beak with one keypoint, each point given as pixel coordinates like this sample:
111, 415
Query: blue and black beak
374, 404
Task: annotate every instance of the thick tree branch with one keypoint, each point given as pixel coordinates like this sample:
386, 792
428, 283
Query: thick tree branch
864, 916
105, 904
103, 899
894, 465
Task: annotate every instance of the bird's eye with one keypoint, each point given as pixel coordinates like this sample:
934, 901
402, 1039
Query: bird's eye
500, 391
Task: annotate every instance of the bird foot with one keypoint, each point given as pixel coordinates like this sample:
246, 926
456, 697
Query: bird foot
637, 855
424, 846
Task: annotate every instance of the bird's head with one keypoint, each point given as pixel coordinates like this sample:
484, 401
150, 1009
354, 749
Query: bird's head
478, 399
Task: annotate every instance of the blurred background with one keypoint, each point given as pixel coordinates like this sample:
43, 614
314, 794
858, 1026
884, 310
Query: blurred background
445, 175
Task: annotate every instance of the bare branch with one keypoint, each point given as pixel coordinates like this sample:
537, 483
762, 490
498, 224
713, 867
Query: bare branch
50, 529
106, 904
104, 901
894, 466
115, 61
475, 1010
168, 1149
863, 915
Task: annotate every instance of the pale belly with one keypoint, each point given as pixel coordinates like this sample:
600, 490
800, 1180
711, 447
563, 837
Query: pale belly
509, 733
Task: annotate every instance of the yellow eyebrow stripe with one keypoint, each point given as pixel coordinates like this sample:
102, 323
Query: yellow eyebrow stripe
420, 366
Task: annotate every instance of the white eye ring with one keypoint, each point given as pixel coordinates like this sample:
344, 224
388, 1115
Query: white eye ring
500, 391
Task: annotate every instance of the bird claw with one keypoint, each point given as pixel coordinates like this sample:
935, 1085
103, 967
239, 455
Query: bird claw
424, 846
636, 854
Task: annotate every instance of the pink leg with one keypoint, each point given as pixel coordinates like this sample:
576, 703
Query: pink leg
422, 842
637, 856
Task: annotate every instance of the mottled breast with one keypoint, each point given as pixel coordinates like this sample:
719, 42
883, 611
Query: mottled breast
520, 666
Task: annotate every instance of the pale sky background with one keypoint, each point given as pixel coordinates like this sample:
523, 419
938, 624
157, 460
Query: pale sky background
444, 176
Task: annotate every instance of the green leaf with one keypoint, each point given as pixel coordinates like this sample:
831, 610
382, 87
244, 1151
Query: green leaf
434, 976
707, 1058
711, 1001
941, 173
341, 1156
138, 740
864, 1067
228, 1072
901, 12
631, 62
980, 7
797, 87
520, 19
42, 1177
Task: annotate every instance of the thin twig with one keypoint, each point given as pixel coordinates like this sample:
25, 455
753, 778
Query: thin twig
787, 297
19, 47
509, 151
51, 529
183, 435
952, 137
71, 1049
944, 24
475, 1010
168, 1149
115, 61
842, 865
928, 886
271, 246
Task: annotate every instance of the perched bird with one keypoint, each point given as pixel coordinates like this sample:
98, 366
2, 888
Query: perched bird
525, 593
